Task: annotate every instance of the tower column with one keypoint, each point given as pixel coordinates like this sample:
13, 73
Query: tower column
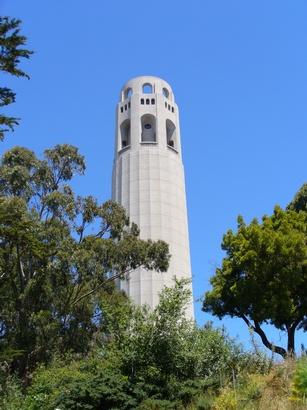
148, 180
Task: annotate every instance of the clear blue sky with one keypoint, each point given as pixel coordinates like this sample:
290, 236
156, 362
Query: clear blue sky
238, 69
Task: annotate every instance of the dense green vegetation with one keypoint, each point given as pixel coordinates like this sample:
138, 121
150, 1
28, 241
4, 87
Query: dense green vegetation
70, 340
58, 253
138, 358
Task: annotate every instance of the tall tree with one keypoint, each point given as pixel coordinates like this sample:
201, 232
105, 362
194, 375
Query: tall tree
57, 252
11, 53
263, 278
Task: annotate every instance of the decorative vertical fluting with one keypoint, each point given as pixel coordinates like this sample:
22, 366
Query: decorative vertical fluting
148, 180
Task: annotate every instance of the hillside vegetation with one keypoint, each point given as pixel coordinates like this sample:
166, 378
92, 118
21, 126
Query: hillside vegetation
157, 360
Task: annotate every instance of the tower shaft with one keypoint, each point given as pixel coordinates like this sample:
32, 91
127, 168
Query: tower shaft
148, 180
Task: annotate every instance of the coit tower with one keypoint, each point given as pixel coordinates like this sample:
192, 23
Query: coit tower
148, 181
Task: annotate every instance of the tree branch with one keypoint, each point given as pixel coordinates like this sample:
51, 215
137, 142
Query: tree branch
2, 275
257, 328
112, 278
20, 268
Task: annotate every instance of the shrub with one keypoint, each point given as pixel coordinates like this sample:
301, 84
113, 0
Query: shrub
227, 400
86, 384
299, 386
11, 397
154, 404
249, 392
202, 402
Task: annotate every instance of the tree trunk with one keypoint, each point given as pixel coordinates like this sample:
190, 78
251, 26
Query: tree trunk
291, 338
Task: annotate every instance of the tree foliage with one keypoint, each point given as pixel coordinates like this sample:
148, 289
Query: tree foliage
11, 53
161, 343
57, 252
299, 202
263, 278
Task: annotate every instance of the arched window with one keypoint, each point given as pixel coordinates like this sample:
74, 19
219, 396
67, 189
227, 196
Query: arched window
125, 133
171, 134
165, 92
128, 93
148, 123
147, 88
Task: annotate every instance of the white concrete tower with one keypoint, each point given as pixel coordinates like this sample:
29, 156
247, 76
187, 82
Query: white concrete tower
148, 180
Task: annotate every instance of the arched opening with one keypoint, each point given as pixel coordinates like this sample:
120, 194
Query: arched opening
128, 93
148, 123
171, 134
165, 92
147, 88
125, 133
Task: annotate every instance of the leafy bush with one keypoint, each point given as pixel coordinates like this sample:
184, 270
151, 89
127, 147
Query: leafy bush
11, 397
49, 383
159, 346
154, 404
202, 401
299, 387
86, 384
227, 400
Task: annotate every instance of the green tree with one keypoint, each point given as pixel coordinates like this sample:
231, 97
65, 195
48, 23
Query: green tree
11, 52
299, 202
263, 278
58, 251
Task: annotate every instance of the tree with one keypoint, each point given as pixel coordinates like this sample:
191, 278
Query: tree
263, 278
58, 251
299, 202
11, 52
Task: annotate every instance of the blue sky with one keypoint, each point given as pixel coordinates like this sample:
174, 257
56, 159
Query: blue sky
238, 70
